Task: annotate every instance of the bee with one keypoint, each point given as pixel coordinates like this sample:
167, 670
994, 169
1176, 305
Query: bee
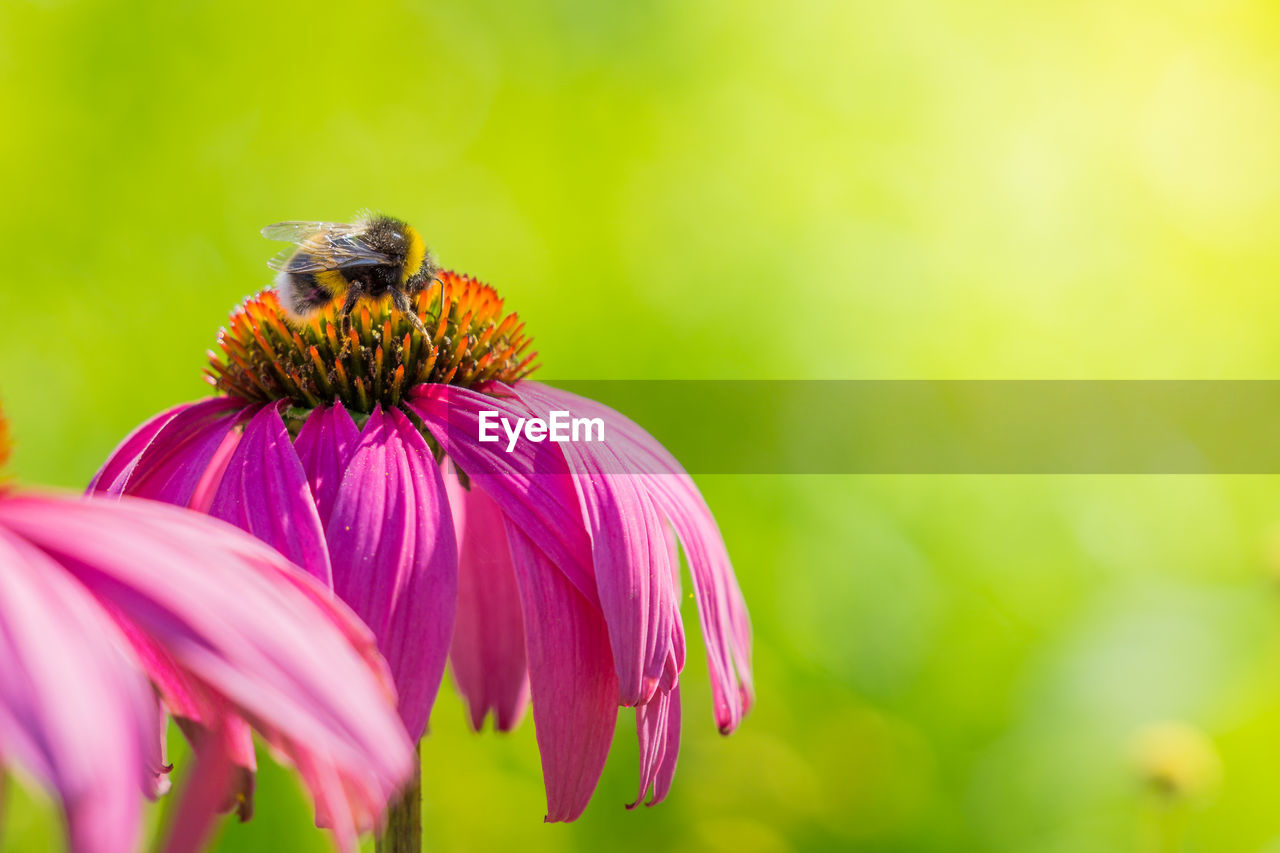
374, 258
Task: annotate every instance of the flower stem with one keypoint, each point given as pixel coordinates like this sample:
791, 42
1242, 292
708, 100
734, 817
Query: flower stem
404, 816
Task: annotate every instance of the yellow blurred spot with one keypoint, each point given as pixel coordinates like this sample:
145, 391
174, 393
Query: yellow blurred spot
1176, 761
1271, 553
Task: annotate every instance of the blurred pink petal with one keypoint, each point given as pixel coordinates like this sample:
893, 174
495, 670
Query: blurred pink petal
230, 628
65, 681
205, 796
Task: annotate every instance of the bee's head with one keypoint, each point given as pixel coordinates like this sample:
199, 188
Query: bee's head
401, 241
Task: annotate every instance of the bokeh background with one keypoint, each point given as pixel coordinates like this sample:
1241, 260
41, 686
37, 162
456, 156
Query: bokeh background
703, 190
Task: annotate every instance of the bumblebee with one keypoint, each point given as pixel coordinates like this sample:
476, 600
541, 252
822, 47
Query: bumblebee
374, 258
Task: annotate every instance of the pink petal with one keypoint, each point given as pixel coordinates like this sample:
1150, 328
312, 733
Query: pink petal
395, 560
325, 445
658, 730
196, 708
531, 485
726, 627
571, 677
172, 465
65, 680
487, 654
678, 649
630, 553
264, 492
227, 610
204, 796
121, 462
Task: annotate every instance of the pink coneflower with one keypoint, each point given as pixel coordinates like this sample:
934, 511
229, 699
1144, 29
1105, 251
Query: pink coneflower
549, 572
97, 597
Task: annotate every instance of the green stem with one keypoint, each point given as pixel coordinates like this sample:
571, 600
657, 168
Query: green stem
404, 816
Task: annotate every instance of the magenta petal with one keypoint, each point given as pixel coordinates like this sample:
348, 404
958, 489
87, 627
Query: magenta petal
676, 661
571, 677
631, 556
726, 627
184, 697
64, 680
740, 621
667, 769
172, 465
121, 462
395, 559
264, 491
658, 731
487, 654
325, 445
531, 485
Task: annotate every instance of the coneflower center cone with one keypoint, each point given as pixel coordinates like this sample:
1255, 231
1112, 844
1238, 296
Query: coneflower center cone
263, 356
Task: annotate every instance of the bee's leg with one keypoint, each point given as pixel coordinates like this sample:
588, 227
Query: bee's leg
348, 305
405, 307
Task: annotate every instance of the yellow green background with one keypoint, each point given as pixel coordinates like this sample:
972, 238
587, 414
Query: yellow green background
733, 189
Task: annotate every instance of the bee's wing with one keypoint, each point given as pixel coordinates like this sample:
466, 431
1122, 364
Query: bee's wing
291, 261
295, 231
333, 246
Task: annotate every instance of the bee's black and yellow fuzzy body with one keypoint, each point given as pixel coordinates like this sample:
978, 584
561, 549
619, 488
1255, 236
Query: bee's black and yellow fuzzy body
375, 258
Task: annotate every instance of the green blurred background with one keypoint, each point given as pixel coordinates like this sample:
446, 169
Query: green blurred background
744, 190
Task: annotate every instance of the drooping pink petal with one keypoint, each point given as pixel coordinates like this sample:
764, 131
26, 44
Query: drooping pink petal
651, 725
740, 621
571, 677
204, 796
173, 463
726, 627
658, 731
64, 679
678, 648
155, 780
226, 609
264, 492
667, 769
531, 485
630, 554
325, 445
487, 654
395, 559
195, 707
